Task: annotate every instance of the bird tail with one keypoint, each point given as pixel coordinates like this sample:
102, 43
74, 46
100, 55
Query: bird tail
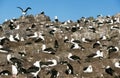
36, 76
79, 61
52, 53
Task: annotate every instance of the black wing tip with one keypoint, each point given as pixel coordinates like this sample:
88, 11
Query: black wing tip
29, 7
18, 7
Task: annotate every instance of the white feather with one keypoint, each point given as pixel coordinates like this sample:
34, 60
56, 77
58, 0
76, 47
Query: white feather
117, 64
89, 69
14, 70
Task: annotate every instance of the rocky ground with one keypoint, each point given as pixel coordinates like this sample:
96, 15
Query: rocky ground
76, 30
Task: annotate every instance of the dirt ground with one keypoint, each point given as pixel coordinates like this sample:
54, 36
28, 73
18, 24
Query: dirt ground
34, 50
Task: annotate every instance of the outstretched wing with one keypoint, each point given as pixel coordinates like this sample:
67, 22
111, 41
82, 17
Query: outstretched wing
20, 8
27, 9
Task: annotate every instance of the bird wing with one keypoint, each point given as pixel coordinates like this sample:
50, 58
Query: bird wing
27, 9
5, 71
110, 71
32, 69
72, 46
76, 41
91, 55
50, 49
85, 68
20, 8
49, 62
75, 57
14, 59
69, 66
88, 40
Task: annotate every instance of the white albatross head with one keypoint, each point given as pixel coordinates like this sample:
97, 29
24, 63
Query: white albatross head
37, 64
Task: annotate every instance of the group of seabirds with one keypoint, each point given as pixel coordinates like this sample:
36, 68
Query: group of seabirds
75, 46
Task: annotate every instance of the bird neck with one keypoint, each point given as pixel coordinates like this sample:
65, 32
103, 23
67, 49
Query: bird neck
43, 46
37, 64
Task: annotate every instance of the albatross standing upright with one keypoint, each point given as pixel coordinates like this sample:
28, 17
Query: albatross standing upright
35, 69
14, 71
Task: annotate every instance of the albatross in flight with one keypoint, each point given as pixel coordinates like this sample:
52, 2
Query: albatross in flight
24, 11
